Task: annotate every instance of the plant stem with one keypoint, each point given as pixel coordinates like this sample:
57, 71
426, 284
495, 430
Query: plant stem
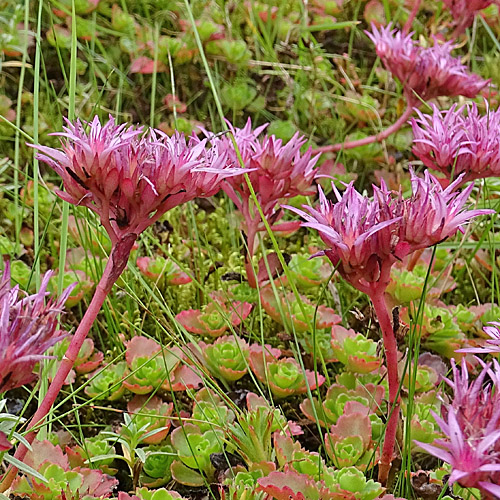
372, 138
391, 357
412, 16
102, 290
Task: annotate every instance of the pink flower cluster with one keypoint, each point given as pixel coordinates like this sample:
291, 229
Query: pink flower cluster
464, 11
130, 179
428, 72
459, 140
28, 327
366, 236
471, 424
276, 171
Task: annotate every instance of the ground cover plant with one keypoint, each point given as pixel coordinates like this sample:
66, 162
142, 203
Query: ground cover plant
249, 249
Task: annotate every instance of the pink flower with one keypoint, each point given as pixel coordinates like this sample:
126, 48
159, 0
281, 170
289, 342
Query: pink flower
492, 345
28, 327
428, 72
366, 236
358, 231
464, 11
433, 214
276, 171
455, 142
471, 425
131, 180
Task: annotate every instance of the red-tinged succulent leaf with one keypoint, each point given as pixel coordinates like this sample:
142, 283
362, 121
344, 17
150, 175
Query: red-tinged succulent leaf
285, 448
184, 377
44, 451
275, 268
179, 278
239, 312
293, 312
143, 263
354, 424
291, 485
74, 457
122, 495
191, 321
310, 408
327, 317
5, 444
265, 467
259, 358
284, 376
137, 388
140, 347
95, 483
159, 412
146, 66
92, 364
184, 475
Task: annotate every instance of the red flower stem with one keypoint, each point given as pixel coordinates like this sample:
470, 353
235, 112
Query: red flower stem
391, 357
412, 16
372, 138
102, 290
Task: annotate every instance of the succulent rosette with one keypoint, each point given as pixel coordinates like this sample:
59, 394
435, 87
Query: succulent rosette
358, 353
349, 441
227, 357
338, 396
152, 415
150, 494
284, 375
107, 383
152, 367
307, 272
158, 267
194, 448
286, 310
215, 318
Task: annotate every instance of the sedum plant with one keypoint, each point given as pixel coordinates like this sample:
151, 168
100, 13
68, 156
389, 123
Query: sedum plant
227, 357
215, 318
156, 467
147, 494
284, 376
107, 383
303, 317
365, 237
158, 268
355, 351
194, 448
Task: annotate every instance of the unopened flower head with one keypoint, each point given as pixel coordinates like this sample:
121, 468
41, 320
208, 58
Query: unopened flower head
428, 72
464, 11
28, 327
459, 141
130, 179
471, 424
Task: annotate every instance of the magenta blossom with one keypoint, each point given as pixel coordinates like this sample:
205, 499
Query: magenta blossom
366, 236
130, 179
276, 170
471, 424
28, 327
459, 141
464, 11
428, 72
492, 345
